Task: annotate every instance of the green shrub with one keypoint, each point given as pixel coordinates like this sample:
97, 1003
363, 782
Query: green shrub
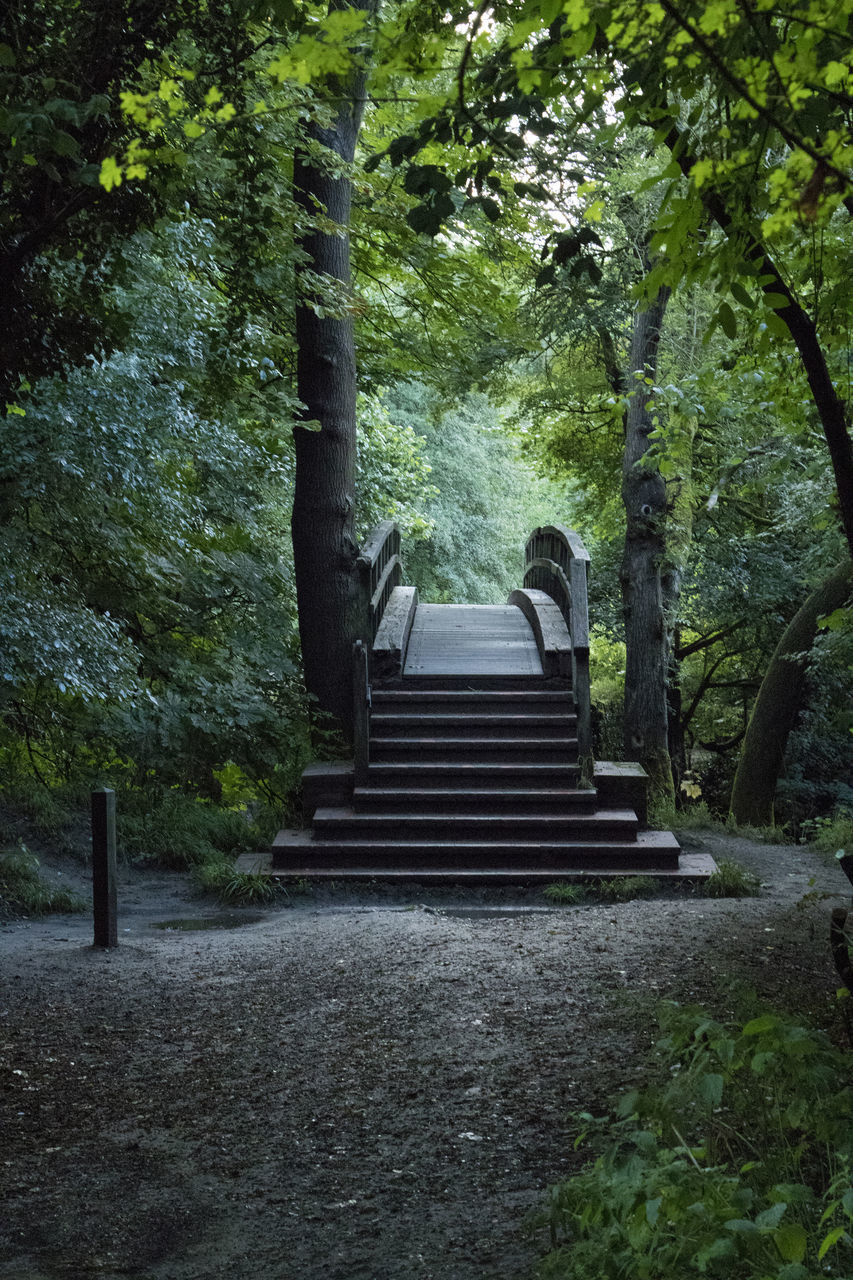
731, 880
565, 895
832, 834
237, 888
624, 888
22, 890
181, 832
738, 1166
619, 889
693, 817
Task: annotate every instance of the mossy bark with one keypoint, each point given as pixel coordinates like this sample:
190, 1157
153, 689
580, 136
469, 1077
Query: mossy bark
779, 701
645, 499
323, 520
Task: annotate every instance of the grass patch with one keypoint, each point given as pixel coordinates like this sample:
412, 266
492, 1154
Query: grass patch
237, 888
22, 890
565, 895
731, 880
617, 889
738, 1164
663, 816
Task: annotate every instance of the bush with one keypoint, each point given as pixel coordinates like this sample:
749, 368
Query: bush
739, 1165
180, 832
22, 890
832, 834
236, 888
731, 880
619, 889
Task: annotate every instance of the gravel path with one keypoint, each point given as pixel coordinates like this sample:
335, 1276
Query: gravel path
353, 1089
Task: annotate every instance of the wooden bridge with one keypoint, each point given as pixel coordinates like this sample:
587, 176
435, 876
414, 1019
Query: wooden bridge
473, 746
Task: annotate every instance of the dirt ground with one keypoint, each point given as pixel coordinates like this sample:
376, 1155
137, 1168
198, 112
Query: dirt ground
371, 1087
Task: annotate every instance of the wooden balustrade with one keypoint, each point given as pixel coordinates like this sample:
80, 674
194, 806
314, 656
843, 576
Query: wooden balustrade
380, 569
555, 561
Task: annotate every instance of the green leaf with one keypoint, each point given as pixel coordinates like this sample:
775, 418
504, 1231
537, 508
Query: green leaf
111, 174
772, 1217
711, 1089
758, 1026
727, 319
776, 301
491, 208
740, 294
828, 1241
791, 1240
7, 56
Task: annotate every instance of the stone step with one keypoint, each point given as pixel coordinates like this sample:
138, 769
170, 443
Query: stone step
422, 724
300, 854
415, 774
495, 800
345, 824
474, 750
451, 701
479, 683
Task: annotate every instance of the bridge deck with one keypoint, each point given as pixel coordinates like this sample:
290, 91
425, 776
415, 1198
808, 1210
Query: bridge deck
471, 640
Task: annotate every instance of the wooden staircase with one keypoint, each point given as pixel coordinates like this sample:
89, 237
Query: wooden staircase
472, 735
480, 783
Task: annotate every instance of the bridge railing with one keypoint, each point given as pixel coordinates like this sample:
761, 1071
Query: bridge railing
556, 562
380, 571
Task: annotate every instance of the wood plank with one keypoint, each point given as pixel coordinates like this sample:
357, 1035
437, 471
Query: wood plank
471, 640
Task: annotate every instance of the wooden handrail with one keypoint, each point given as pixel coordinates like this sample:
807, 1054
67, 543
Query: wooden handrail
381, 571
555, 561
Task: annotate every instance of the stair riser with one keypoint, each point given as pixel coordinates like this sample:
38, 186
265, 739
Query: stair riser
481, 684
464, 704
487, 802
458, 857
404, 776
474, 828
554, 728
474, 751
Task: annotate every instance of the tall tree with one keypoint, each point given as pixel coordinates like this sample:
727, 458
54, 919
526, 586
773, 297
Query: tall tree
644, 497
780, 700
323, 521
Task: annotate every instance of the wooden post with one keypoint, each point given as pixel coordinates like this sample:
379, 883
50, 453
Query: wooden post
104, 867
361, 711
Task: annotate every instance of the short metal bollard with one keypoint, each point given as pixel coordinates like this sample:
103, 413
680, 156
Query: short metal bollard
104, 867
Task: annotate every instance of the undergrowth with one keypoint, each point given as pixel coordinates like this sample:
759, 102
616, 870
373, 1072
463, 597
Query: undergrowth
22, 890
832, 834
181, 832
618, 889
236, 888
739, 1165
731, 880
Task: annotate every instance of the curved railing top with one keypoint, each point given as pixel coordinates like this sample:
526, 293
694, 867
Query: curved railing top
562, 533
555, 561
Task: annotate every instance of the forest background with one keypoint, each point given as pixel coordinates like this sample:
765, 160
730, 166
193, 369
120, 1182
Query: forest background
600, 265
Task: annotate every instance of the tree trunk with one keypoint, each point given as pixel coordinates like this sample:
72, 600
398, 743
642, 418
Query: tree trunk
679, 537
644, 497
778, 703
322, 523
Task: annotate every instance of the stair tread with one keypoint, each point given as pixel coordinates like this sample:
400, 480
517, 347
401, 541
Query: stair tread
481, 793
600, 816
509, 719
510, 695
467, 742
